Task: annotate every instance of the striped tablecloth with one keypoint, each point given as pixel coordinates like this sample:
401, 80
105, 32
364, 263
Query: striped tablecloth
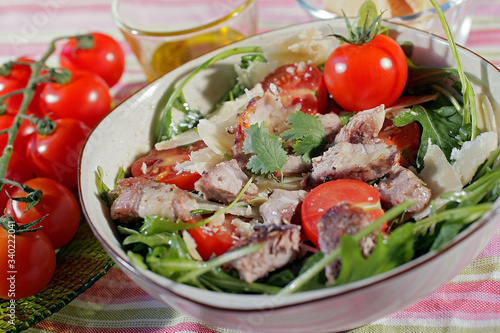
469, 303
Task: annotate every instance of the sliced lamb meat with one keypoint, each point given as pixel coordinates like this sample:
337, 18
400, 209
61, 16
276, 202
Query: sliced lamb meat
281, 246
402, 185
340, 220
363, 126
224, 182
294, 166
353, 161
281, 206
139, 197
332, 124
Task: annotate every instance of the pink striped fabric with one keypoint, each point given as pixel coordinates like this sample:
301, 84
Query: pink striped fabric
115, 304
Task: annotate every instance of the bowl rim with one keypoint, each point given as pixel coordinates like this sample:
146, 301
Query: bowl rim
294, 299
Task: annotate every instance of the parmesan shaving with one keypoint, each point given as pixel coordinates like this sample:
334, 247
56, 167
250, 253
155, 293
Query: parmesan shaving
191, 245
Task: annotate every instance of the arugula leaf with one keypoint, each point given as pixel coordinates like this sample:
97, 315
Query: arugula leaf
440, 126
268, 149
309, 133
174, 95
395, 251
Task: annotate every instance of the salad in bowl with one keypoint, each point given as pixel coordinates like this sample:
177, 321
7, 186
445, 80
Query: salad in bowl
293, 175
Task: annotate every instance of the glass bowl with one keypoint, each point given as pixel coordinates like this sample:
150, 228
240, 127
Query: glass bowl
458, 14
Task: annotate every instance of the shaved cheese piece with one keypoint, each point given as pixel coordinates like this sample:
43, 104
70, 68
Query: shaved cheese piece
473, 154
191, 245
309, 46
200, 161
439, 175
486, 120
182, 139
255, 73
215, 130
245, 229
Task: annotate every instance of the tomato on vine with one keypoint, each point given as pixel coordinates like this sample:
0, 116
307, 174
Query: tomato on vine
57, 204
367, 71
54, 150
27, 128
104, 56
26, 265
18, 171
85, 97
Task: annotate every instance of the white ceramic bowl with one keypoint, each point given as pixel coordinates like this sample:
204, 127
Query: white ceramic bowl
125, 134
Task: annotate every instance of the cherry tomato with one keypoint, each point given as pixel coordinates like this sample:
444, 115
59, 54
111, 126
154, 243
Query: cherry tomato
331, 193
361, 77
86, 97
27, 128
214, 239
59, 206
55, 155
160, 165
27, 263
406, 138
299, 83
19, 171
18, 79
105, 59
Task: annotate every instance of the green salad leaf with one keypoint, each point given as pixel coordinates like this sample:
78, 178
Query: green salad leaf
309, 133
269, 155
440, 126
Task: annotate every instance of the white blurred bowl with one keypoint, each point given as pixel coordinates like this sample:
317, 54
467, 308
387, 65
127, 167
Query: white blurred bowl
458, 14
124, 135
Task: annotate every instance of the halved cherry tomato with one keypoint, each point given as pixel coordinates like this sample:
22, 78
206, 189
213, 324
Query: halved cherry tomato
299, 83
406, 138
331, 193
105, 59
19, 171
85, 97
160, 165
58, 205
361, 77
214, 239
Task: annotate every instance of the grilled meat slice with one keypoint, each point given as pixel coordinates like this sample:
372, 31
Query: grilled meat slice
281, 245
223, 183
363, 127
402, 185
281, 206
337, 221
353, 161
139, 197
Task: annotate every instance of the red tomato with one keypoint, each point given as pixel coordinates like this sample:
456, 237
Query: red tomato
86, 97
55, 155
361, 77
18, 79
299, 83
27, 263
57, 202
160, 165
105, 59
406, 138
214, 240
27, 128
18, 171
331, 193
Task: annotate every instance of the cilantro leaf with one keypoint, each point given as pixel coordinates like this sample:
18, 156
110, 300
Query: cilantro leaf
268, 149
309, 133
395, 251
440, 126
